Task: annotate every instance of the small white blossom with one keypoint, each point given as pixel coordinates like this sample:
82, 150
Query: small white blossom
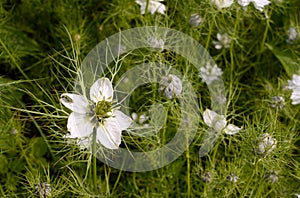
258, 4
222, 3
292, 35
209, 73
265, 144
154, 6
195, 20
223, 41
171, 86
97, 113
294, 85
43, 189
233, 178
219, 123
298, 195
272, 177
14, 131
157, 43
141, 119
277, 102
206, 177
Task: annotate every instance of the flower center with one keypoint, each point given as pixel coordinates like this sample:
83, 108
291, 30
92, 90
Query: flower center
102, 109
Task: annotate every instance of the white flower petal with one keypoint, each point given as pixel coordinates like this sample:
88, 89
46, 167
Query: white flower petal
296, 80
79, 125
123, 120
220, 123
218, 46
101, 89
260, 4
156, 7
214, 120
74, 102
244, 2
109, 134
208, 117
231, 129
134, 116
222, 3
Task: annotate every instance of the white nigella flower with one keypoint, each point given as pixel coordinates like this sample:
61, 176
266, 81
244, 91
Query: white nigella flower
272, 177
233, 178
206, 177
219, 123
222, 3
154, 6
223, 41
292, 35
171, 86
98, 113
209, 73
195, 20
294, 85
43, 189
258, 4
277, 102
265, 144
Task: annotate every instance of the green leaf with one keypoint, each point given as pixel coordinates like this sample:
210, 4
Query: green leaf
290, 59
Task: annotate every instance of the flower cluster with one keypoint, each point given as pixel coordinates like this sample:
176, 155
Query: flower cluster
210, 73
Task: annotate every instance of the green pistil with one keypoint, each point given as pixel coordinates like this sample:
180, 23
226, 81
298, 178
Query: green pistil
102, 109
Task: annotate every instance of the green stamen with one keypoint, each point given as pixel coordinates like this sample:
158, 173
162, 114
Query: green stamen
102, 109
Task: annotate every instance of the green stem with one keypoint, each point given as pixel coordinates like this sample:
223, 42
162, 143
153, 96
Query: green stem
147, 5
250, 178
94, 161
188, 172
266, 32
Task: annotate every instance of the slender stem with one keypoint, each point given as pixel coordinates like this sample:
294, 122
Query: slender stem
188, 172
94, 161
266, 32
147, 6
